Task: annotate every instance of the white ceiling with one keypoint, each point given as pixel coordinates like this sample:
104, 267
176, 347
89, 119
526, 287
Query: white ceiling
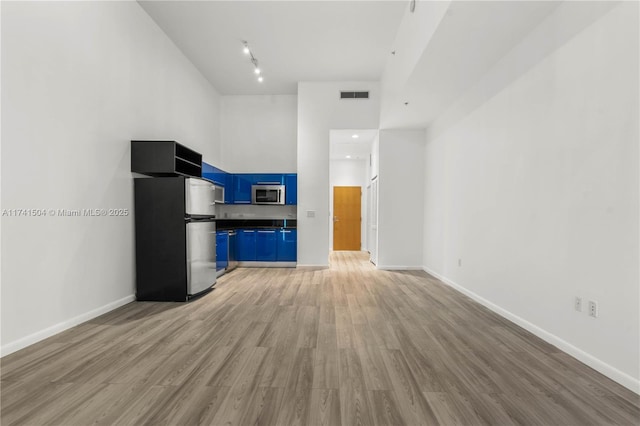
470, 39
292, 40
343, 144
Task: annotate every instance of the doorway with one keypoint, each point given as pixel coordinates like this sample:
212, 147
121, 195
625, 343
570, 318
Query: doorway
350, 166
347, 219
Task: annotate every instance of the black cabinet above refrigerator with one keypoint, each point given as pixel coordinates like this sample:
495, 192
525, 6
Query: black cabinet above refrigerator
164, 158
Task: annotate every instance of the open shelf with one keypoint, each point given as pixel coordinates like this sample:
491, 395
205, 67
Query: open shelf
164, 158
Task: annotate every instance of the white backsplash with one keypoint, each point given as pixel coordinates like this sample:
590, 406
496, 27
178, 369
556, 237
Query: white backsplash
251, 211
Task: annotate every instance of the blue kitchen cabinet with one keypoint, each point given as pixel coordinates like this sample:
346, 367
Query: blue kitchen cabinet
246, 245
228, 188
213, 174
233, 251
222, 250
266, 245
291, 189
267, 179
242, 189
287, 245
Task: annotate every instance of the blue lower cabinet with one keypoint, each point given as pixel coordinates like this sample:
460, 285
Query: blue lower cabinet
222, 250
287, 245
246, 245
266, 245
233, 251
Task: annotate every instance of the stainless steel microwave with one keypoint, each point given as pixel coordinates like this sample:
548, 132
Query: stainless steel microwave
267, 194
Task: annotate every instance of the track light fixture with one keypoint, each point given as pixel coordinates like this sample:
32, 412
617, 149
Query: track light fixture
254, 60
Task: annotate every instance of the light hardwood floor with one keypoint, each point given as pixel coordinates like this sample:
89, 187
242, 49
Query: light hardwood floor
344, 346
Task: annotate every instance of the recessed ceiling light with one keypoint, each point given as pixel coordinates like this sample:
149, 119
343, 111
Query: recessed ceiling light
245, 50
348, 156
257, 70
260, 79
355, 136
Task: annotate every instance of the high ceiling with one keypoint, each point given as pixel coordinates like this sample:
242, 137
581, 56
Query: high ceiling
466, 43
292, 40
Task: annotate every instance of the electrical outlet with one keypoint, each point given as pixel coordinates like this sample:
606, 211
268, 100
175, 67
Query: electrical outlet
459, 262
593, 309
577, 304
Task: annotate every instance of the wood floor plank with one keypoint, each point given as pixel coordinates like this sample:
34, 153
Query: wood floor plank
355, 408
410, 398
296, 401
325, 371
385, 408
373, 368
263, 407
347, 345
243, 389
277, 367
325, 407
444, 412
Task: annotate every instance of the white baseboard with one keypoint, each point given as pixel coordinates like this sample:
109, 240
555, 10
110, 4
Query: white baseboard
613, 373
399, 268
62, 326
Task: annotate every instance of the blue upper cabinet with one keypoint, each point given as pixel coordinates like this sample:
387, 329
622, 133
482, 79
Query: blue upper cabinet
214, 174
228, 189
237, 187
267, 179
242, 189
291, 189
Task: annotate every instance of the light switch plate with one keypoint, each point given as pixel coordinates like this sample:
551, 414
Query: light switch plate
311, 213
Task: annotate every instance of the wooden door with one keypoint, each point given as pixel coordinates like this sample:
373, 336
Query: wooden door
346, 217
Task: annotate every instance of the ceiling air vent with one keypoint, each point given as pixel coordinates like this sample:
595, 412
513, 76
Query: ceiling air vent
354, 95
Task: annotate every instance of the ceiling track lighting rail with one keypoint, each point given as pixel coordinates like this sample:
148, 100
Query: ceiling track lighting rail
254, 60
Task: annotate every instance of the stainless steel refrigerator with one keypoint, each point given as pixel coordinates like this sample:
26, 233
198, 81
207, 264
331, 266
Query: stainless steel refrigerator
175, 238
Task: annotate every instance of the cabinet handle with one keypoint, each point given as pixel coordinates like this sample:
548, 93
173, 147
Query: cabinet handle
268, 183
285, 232
266, 232
248, 232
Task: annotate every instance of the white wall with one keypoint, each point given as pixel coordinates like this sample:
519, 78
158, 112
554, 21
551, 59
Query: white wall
400, 199
348, 173
319, 110
79, 81
536, 190
259, 134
